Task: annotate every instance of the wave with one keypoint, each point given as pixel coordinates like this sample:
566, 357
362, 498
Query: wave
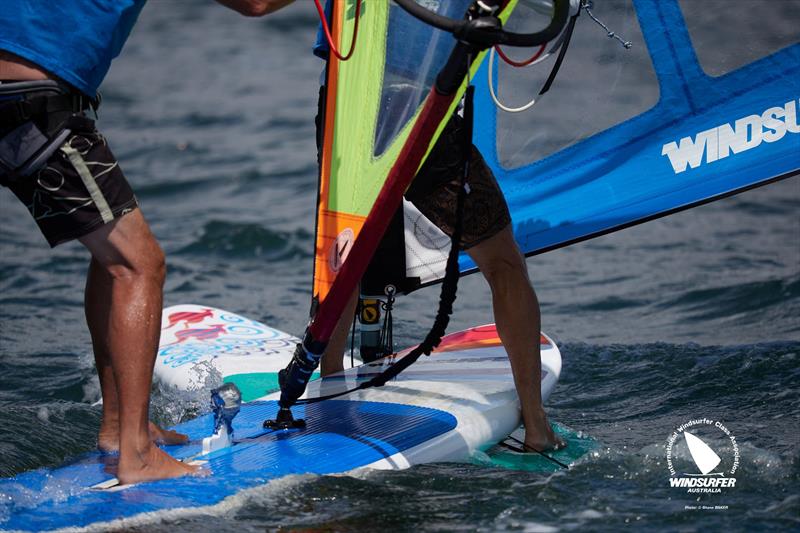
733, 299
240, 240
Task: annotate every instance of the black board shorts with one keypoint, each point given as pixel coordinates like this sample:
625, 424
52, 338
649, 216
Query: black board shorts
434, 190
80, 188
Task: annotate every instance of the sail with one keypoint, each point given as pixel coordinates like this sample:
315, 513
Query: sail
380, 118
365, 122
384, 109
697, 109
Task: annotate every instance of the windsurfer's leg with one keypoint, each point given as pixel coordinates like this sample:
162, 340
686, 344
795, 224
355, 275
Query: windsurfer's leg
126, 287
516, 313
488, 239
332, 359
124, 252
97, 302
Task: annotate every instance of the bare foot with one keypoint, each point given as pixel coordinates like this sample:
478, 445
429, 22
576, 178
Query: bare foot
539, 435
108, 437
152, 464
166, 436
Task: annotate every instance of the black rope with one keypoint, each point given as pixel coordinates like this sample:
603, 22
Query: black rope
387, 330
528, 448
449, 284
561, 53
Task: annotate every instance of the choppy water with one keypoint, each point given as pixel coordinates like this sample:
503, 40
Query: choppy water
690, 316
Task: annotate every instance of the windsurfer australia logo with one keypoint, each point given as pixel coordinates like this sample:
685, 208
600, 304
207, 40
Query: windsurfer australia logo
706, 440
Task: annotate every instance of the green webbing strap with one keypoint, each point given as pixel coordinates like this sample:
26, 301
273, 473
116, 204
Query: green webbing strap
79, 163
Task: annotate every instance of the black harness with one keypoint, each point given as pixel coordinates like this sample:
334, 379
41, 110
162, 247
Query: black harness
36, 117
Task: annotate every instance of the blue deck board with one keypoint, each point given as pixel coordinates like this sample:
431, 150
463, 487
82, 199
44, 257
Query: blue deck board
341, 435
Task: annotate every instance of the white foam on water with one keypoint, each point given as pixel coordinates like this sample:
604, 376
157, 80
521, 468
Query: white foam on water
581, 519
535, 527
43, 414
261, 495
589, 513
91, 388
172, 405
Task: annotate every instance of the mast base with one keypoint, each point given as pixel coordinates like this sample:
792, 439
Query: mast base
285, 420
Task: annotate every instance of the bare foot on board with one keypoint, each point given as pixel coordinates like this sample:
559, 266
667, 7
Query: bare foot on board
153, 464
166, 436
539, 436
108, 438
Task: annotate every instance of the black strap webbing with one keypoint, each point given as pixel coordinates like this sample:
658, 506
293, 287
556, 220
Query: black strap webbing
16, 112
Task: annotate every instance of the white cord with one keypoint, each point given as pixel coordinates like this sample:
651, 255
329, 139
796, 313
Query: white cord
530, 104
558, 42
496, 101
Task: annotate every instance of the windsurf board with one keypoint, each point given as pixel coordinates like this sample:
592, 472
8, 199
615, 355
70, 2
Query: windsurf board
445, 407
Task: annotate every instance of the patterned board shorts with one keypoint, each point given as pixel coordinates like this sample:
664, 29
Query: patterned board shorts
434, 190
79, 189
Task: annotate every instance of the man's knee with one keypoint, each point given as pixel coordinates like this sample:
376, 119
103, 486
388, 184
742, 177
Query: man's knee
505, 269
127, 250
156, 263
148, 263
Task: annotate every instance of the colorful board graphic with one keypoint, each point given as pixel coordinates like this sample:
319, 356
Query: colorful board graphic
201, 344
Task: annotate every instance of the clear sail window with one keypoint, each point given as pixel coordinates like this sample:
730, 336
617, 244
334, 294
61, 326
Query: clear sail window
600, 84
415, 52
727, 34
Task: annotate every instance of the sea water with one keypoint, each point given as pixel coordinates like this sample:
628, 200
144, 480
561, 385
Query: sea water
693, 316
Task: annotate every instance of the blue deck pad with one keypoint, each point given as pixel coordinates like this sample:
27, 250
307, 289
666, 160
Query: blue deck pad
341, 435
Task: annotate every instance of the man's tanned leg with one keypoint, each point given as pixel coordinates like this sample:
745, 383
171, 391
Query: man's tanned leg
126, 288
516, 313
97, 302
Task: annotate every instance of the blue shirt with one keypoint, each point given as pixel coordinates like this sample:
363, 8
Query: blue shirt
321, 48
72, 39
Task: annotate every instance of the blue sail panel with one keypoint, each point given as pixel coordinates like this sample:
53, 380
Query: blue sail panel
707, 137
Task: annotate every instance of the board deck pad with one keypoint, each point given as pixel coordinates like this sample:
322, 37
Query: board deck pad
578, 445
341, 436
